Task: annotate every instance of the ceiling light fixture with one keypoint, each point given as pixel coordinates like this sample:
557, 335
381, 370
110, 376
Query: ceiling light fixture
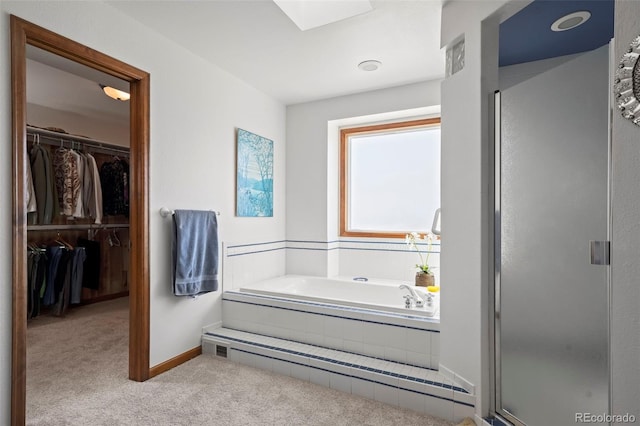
115, 93
369, 65
571, 21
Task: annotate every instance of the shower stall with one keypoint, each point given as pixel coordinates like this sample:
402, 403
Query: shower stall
551, 252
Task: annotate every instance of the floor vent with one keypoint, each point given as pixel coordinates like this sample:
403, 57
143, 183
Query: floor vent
221, 351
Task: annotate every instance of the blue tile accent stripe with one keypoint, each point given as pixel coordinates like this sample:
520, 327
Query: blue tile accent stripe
324, 347
494, 421
255, 252
365, 245
342, 363
362, 378
336, 307
256, 244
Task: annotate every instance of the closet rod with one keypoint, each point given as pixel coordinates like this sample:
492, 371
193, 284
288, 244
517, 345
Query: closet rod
78, 226
56, 138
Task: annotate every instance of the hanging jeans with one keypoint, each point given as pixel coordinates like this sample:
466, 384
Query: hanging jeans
54, 253
77, 272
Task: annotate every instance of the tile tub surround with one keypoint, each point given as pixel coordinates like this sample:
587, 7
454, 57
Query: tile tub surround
415, 388
391, 357
404, 338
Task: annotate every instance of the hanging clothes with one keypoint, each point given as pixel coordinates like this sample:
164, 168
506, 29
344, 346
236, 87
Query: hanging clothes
67, 179
54, 254
62, 283
42, 178
87, 184
114, 178
55, 277
63, 181
94, 201
77, 274
30, 195
78, 201
91, 275
36, 268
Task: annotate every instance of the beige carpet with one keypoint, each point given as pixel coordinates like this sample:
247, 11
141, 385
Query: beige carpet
77, 375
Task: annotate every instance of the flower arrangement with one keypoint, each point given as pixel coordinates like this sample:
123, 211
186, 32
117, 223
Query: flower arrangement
412, 241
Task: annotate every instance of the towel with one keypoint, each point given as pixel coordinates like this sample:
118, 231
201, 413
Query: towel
195, 252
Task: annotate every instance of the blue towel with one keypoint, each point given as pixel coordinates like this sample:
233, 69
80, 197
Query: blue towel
195, 252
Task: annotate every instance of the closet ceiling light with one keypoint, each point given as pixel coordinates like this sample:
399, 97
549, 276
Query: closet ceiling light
115, 93
571, 21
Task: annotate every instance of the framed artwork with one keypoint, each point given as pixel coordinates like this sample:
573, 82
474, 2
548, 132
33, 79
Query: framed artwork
254, 175
627, 83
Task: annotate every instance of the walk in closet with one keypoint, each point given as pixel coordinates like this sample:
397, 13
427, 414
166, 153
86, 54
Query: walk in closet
77, 192
78, 230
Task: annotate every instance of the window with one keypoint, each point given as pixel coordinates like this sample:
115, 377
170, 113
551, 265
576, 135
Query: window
389, 178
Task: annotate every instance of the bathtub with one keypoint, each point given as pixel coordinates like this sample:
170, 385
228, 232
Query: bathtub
378, 295
353, 336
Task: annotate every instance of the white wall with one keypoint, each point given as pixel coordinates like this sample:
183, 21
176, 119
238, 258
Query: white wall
464, 109
466, 199
312, 184
195, 108
105, 130
625, 251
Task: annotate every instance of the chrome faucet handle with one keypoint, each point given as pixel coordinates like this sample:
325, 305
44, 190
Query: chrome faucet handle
407, 301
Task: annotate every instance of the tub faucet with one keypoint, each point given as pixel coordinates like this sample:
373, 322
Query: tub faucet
414, 294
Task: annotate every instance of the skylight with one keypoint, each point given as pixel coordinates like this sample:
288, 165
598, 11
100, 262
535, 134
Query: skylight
308, 14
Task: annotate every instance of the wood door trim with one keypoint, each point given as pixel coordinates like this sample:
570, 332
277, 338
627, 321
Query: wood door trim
19, 266
23, 33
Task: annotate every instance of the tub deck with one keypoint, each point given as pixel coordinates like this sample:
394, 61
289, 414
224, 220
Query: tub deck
377, 351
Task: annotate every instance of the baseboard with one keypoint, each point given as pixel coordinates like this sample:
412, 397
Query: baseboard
104, 298
175, 361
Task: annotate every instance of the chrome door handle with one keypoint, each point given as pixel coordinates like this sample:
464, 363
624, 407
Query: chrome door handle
599, 252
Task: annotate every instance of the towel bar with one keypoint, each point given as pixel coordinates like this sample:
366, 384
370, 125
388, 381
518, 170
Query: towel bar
165, 212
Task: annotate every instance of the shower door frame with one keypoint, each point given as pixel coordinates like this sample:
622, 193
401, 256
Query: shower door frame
497, 256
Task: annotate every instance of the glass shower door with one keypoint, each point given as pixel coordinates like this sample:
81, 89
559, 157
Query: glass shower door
551, 301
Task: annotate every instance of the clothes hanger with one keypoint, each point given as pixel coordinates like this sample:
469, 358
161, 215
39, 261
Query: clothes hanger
113, 239
63, 242
92, 233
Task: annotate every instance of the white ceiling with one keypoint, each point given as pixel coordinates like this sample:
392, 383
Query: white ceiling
61, 84
255, 41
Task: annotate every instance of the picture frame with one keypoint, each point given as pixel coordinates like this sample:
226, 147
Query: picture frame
254, 175
627, 83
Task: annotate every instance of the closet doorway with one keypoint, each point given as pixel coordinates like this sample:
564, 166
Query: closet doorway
24, 33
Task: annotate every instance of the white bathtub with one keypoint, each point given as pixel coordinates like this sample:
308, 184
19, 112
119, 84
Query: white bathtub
374, 295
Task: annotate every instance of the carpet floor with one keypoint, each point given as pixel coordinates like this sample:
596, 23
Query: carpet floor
77, 375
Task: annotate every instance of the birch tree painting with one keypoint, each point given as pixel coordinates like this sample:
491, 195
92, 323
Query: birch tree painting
254, 181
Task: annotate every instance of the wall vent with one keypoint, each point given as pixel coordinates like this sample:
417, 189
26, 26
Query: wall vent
221, 351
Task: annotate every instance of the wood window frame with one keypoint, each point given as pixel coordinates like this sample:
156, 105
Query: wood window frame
345, 134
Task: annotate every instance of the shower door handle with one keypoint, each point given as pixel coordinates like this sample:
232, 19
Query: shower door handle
599, 252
